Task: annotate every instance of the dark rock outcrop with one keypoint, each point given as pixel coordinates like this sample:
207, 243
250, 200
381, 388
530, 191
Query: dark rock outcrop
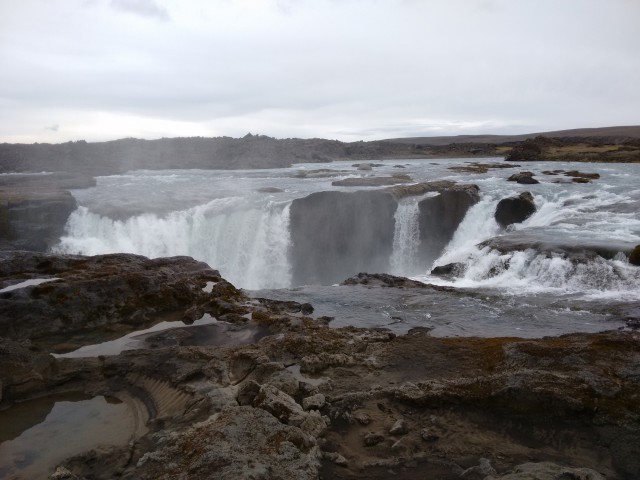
531, 149
35, 221
634, 256
524, 178
440, 217
335, 234
382, 280
109, 292
515, 209
448, 270
34, 209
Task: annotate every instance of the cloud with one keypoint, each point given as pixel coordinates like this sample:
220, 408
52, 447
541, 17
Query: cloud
53, 128
144, 8
345, 69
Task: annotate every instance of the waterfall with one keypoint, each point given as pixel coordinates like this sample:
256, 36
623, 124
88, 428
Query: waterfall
406, 239
247, 243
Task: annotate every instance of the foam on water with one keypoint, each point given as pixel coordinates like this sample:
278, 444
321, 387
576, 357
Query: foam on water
247, 243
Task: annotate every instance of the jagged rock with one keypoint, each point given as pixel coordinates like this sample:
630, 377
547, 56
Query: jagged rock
382, 280
238, 442
399, 428
280, 405
525, 178
428, 436
480, 471
336, 458
448, 270
106, 290
515, 209
634, 256
371, 439
362, 418
547, 471
248, 392
314, 402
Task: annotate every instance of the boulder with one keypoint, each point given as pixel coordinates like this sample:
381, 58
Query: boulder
515, 209
634, 256
525, 178
448, 270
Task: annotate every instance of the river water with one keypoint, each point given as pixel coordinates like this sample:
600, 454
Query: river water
238, 222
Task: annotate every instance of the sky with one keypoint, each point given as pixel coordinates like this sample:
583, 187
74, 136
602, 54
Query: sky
341, 69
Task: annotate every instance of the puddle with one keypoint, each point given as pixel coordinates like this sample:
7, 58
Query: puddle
39, 434
205, 331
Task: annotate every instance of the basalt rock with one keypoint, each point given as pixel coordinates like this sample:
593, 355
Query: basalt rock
469, 405
525, 178
440, 217
335, 234
515, 209
106, 291
34, 209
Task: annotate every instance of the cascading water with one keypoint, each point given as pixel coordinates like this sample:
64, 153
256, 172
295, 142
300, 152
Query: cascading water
406, 239
227, 220
247, 243
563, 219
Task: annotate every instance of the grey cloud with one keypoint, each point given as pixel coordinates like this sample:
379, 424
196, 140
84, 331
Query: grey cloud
144, 8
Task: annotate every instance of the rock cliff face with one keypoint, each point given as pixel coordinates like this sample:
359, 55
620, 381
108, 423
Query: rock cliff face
35, 208
338, 234
35, 222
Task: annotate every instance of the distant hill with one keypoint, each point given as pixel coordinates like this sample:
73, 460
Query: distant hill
622, 133
259, 151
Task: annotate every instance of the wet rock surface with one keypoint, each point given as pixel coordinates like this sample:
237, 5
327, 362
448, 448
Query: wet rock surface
307, 401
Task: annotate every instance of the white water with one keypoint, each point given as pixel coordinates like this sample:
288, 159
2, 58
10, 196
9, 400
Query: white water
222, 220
248, 244
406, 239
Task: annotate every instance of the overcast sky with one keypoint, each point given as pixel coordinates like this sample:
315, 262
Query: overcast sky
344, 69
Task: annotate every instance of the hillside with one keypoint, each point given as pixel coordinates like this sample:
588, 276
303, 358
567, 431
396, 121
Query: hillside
621, 132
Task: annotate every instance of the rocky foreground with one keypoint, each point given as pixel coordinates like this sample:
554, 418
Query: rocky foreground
303, 400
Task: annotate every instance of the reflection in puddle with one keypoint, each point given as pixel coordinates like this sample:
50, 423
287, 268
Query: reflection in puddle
205, 331
39, 434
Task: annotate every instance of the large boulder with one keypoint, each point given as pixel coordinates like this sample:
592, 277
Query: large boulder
515, 209
524, 178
